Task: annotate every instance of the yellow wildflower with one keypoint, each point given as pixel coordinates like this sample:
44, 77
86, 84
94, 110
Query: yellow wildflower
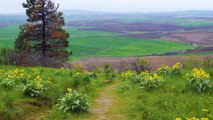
69, 92
204, 119
177, 66
178, 119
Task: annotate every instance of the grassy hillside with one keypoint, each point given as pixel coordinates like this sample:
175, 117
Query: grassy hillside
174, 99
29, 92
86, 44
145, 96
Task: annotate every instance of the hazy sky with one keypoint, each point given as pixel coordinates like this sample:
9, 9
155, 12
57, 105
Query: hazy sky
118, 5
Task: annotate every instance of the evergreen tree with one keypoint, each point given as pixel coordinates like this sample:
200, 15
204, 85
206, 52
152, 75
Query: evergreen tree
43, 34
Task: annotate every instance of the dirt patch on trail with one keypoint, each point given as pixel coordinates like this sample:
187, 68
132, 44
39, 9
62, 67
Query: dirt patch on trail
106, 101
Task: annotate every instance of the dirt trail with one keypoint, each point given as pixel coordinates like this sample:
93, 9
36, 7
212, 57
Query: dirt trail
104, 105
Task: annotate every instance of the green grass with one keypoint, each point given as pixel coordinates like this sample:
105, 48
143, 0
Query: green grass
8, 36
86, 44
15, 106
171, 100
166, 103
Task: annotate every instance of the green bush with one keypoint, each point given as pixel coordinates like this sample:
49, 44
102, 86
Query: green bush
199, 80
81, 78
35, 88
177, 69
30, 82
151, 81
164, 70
109, 72
140, 65
7, 56
73, 102
145, 79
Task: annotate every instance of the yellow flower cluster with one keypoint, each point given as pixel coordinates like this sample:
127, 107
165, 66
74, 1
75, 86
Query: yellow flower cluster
151, 80
194, 118
69, 92
127, 74
38, 81
199, 79
22, 75
153, 77
200, 73
12, 74
177, 66
164, 69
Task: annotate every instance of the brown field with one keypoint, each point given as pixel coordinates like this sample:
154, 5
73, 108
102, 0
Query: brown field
200, 38
118, 63
203, 38
201, 35
203, 49
121, 27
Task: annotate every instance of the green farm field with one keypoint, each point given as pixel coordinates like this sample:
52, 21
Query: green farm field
85, 44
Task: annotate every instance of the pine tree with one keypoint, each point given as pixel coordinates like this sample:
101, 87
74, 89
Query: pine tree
43, 34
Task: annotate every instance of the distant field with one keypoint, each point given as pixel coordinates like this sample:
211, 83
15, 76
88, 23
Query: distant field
196, 53
177, 20
7, 36
86, 44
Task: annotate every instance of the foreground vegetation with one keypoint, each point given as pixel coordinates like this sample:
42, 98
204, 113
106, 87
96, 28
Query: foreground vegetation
182, 92
168, 96
34, 90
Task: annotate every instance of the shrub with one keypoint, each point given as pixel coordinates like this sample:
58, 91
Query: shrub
7, 56
139, 78
177, 69
93, 75
79, 78
38, 60
145, 79
127, 75
11, 78
140, 65
73, 102
109, 72
29, 81
164, 70
36, 87
151, 81
7, 83
199, 80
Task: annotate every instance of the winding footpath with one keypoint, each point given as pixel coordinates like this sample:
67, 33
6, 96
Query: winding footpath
105, 103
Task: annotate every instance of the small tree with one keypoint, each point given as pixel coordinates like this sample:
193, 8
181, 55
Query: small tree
43, 34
